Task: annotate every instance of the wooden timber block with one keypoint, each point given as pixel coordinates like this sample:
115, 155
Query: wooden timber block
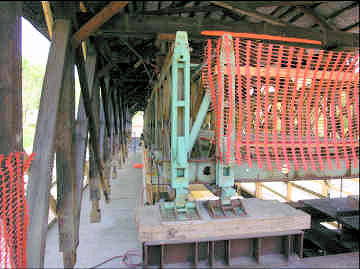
263, 216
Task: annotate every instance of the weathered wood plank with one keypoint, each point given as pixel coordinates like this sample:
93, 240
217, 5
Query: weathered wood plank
38, 190
11, 137
95, 22
65, 164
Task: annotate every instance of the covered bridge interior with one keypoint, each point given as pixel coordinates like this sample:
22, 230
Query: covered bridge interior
122, 51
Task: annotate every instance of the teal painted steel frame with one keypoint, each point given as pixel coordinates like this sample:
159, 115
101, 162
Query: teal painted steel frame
205, 103
180, 103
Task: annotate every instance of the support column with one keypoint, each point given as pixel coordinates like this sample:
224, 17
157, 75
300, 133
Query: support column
121, 131
82, 139
102, 142
95, 214
38, 190
65, 165
116, 127
11, 136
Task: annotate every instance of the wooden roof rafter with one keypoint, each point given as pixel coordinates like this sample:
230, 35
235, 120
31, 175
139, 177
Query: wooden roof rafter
97, 21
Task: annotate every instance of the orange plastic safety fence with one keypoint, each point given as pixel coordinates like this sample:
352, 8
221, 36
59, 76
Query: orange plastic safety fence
283, 106
13, 210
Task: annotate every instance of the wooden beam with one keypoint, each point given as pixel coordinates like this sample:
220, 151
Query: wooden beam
105, 105
103, 139
92, 124
288, 192
105, 70
307, 190
258, 190
11, 134
273, 191
95, 213
167, 11
138, 55
319, 19
82, 139
126, 25
38, 190
95, 22
243, 10
256, 4
52, 204
48, 16
121, 128
65, 165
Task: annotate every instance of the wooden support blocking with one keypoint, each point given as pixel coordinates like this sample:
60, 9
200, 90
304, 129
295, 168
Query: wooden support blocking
11, 137
38, 190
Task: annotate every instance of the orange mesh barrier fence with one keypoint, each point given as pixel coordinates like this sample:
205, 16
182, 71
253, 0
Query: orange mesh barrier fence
283, 106
13, 210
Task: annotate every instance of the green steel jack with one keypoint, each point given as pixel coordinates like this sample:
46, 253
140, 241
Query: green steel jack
180, 128
224, 172
226, 206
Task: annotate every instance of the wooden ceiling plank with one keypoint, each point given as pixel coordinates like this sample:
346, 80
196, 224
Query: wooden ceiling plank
97, 21
249, 12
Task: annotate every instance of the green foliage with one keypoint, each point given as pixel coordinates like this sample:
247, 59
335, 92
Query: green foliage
32, 77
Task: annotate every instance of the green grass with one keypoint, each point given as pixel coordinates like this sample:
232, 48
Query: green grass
28, 137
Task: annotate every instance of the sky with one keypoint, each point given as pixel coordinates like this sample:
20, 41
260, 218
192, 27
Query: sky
35, 47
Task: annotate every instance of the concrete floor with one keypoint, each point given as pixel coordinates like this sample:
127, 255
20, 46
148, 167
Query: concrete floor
115, 234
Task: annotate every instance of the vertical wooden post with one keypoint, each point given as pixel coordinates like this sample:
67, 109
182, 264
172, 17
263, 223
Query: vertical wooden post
92, 124
258, 190
65, 165
121, 130
11, 137
288, 191
82, 139
115, 117
95, 214
103, 144
325, 188
38, 190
